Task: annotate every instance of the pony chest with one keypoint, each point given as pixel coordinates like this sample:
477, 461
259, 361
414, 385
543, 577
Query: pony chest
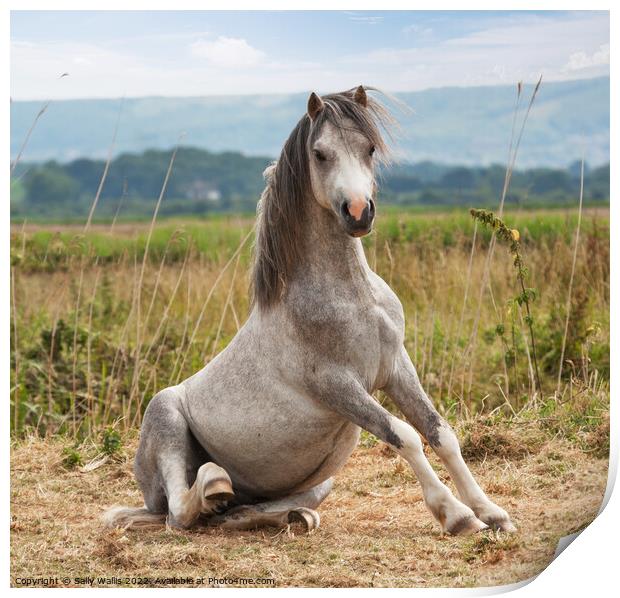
362, 333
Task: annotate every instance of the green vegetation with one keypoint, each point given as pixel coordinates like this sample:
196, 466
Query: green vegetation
201, 182
112, 442
72, 458
85, 357
525, 295
429, 184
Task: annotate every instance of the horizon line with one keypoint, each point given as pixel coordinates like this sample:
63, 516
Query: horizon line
293, 93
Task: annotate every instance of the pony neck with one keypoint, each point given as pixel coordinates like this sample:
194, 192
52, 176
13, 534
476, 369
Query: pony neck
329, 252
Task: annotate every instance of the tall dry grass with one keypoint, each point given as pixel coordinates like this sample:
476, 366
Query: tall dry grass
513, 152
569, 293
81, 365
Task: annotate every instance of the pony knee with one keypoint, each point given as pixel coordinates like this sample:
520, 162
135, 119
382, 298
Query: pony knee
411, 443
448, 444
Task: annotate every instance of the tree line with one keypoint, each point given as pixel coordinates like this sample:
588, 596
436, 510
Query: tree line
203, 182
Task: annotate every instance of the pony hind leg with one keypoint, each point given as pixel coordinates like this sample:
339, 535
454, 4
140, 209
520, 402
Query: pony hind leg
211, 489
297, 508
172, 469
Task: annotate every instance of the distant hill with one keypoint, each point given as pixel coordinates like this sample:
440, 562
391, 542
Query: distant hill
469, 126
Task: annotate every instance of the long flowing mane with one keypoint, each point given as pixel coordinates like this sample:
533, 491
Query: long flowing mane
280, 211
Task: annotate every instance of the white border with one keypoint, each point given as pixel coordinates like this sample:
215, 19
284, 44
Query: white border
589, 566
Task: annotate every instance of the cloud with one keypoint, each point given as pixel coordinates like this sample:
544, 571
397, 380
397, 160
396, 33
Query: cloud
366, 20
536, 32
98, 71
227, 52
492, 52
362, 18
580, 60
499, 53
418, 30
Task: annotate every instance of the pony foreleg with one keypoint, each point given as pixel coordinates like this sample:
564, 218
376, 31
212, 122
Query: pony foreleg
277, 513
406, 391
346, 395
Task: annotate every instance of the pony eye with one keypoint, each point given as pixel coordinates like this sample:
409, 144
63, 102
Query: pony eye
371, 151
320, 156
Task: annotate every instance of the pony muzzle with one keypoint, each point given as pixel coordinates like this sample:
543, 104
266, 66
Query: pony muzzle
358, 214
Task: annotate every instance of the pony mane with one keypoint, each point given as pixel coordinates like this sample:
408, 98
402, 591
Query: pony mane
280, 213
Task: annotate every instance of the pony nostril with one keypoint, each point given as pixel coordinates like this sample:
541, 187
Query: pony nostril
355, 214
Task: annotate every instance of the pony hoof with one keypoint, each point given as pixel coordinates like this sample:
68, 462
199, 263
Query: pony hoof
308, 517
175, 524
219, 490
502, 525
466, 526
495, 517
216, 484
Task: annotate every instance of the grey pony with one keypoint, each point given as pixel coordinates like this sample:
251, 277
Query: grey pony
256, 436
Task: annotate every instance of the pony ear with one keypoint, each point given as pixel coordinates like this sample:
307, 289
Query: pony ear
360, 96
315, 105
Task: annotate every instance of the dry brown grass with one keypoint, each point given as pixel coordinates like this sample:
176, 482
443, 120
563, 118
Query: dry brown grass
375, 528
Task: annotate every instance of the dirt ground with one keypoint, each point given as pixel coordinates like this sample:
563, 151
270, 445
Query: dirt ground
375, 529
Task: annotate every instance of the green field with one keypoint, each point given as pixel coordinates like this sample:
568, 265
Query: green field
100, 323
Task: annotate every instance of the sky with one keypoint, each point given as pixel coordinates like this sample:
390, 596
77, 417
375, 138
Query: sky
109, 54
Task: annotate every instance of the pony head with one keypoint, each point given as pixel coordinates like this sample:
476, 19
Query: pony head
344, 143
328, 162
